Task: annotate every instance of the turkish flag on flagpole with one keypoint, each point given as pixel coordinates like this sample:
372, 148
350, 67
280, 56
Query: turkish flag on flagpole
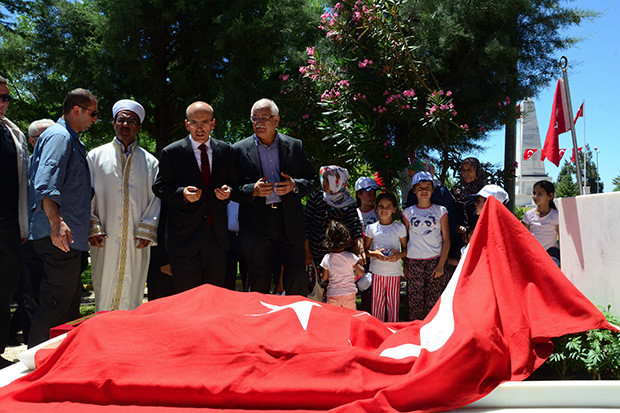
579, 113
215, 349
559, 124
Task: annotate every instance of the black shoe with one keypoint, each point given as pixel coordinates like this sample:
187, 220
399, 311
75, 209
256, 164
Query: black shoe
5, 363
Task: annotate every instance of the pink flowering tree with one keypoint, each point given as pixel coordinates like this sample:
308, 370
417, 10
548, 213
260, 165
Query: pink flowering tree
368, 95
396, 79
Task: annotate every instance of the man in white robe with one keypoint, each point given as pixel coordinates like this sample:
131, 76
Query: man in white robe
124, 214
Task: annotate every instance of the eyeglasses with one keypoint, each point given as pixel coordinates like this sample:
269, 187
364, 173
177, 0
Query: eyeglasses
261, 119
5, 98
93, 113
128, 120
199, 123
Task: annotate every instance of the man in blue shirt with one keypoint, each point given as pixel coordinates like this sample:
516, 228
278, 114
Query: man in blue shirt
60, 195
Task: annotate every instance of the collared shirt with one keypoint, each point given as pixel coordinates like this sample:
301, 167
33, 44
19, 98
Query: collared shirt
129, 149
197, 152
270, 163
59, 172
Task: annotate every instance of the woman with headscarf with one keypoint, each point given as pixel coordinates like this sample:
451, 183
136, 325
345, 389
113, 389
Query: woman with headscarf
473, 180
331, 203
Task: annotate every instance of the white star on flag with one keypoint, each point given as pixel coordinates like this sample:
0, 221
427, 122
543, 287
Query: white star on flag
302, 310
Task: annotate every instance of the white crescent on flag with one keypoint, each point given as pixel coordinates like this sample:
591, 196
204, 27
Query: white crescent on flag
528, 154
561, 152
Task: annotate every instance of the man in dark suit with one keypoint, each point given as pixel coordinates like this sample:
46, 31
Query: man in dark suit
194, 180
274, 175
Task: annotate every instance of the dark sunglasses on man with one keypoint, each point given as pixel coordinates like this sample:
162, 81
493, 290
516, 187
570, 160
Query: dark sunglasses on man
5, 98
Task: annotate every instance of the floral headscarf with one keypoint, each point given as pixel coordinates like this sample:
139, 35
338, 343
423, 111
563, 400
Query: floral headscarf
337, 178
465, 189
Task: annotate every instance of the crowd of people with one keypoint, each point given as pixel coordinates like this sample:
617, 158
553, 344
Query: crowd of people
205, 210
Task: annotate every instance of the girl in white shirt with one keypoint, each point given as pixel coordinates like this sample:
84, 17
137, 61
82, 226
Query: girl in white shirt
386, 245
543, 221
427, 249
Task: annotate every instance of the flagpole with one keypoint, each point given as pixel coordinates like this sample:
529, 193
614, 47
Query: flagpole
563, 63
585, 152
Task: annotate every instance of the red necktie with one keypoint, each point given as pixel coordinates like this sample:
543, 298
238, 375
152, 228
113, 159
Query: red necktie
205, 171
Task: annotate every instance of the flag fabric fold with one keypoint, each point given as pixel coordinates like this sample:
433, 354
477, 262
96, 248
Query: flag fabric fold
210, 348
559, 123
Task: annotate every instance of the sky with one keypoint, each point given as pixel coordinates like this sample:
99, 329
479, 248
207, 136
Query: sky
593, 77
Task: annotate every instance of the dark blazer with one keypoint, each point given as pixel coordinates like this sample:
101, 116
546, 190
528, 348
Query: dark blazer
293, 162
187, 221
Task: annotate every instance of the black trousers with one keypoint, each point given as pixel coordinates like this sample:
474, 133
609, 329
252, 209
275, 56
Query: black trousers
60, 290
259, 252
10, 268
205, 266
234, 256
27, 294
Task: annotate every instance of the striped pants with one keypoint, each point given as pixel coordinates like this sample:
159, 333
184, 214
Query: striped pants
423, 290
385, 293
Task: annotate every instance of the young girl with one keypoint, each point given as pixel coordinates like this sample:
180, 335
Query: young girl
386, 245
366, 195
427, 249
543, 221
340, 266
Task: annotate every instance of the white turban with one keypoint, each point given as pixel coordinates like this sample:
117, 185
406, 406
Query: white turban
128, 104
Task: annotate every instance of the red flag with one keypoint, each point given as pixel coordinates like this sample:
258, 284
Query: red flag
561, 154
378, 179
579, 113
559, 124
528, 154
572, 159
215, 348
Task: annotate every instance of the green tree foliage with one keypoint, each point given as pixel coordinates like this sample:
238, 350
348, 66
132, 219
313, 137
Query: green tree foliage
163, 54
566, 186
567, 178
616, 183
377, 86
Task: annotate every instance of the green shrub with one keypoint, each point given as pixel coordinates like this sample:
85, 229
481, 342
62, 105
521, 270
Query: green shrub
594, 354
519, 211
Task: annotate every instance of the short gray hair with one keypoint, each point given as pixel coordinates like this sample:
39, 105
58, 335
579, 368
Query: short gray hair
38, 126
265, 103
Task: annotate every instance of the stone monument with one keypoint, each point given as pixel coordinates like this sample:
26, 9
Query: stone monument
529, 170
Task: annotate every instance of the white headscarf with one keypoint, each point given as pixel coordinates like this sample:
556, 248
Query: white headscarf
337, 178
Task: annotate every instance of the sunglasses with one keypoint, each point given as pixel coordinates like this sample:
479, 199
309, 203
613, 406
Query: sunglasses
93, 113
5, 98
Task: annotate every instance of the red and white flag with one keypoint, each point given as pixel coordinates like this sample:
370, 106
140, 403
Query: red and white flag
561, 154
211, 348
572, 159
560, 123
579, 113
528, 154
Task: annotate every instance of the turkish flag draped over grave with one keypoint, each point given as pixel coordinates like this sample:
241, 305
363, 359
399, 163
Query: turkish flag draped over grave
213, 349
